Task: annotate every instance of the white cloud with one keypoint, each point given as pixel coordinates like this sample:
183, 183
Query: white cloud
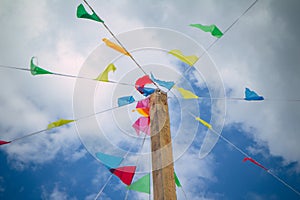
56, 194
260, 54
194, 181
267, 67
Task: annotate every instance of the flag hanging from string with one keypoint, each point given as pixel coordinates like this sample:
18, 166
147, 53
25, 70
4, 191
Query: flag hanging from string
59, 122
82, 13
213, 29
166, 84
143, 107
122, 101
203, 122
36, 70
254, 162
109, 160
190, 60
252, 96
186, 94
142, 124
104, 75
125, 173
115, 46
2, 142
141, 185
146, 91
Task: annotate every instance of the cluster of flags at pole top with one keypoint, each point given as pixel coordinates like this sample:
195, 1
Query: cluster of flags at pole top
126, 173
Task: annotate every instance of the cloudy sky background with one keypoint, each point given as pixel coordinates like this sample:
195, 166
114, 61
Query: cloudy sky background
261, 52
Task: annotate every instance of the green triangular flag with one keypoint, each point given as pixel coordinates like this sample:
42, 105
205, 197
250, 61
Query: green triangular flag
35, 70
141, 185
177, 182
213, 29
82, 13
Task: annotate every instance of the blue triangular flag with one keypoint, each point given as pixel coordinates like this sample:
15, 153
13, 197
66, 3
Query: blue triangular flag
166, 84
125, 100
252, 96
109, 160
146, 91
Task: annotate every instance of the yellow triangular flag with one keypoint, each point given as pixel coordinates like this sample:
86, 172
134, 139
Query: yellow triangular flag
191, 60
115, 46
59, 122
104, 75
203, 122
186, 94
143, 112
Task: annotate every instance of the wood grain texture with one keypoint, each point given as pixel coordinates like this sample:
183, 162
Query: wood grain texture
161, 147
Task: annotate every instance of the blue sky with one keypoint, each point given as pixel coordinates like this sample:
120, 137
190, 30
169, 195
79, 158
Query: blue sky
259, 52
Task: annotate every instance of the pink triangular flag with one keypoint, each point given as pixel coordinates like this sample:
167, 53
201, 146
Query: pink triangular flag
142, 125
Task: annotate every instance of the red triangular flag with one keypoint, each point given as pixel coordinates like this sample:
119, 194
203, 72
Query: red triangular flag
3, 142
125, 173
255, 162
141, 82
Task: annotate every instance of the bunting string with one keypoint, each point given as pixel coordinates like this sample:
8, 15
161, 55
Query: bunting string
268, 171
66, 75
107, 181
137, 160
103, 187
216, 40
119, 42
184, 194
249, 96
128, 84
229, 27
29, 135
242, 99
252, 160
81, 118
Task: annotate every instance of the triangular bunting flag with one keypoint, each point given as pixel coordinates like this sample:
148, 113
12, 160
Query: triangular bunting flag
166, 84
59, 122
115, 46
177, 182
213, 29
142, 125
252, 96
255, 162
186, 94
143, 107
146, 91
143, 112
122, 101
104, 75
141, 82
190, 60
35, 70
125, 173
82, 13
2, 142
109, 160
141, 185
203, 122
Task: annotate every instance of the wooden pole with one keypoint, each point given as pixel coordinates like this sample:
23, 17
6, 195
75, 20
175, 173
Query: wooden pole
161, 147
